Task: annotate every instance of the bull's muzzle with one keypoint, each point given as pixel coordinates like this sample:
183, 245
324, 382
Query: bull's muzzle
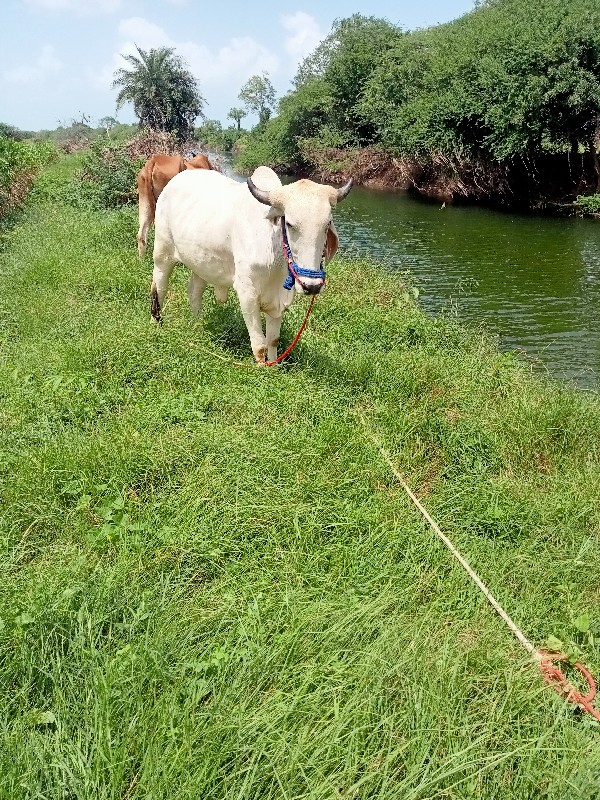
309, 288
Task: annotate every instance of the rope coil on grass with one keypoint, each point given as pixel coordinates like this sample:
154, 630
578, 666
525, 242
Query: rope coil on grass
553, 675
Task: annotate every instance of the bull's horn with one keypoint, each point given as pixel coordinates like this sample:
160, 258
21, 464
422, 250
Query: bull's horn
260, 194
343, 191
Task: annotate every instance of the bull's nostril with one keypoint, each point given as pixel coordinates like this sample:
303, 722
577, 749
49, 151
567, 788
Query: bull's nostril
312, 288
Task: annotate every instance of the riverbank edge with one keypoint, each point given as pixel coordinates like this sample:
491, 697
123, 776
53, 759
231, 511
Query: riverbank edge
439, 179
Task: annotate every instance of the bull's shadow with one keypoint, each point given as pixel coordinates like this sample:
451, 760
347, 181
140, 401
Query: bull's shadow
225, 326
227, 331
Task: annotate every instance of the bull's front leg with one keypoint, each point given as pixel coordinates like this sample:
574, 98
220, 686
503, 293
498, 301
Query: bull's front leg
273, 331
251, 313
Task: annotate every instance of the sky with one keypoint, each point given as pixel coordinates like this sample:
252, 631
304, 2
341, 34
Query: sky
57, 57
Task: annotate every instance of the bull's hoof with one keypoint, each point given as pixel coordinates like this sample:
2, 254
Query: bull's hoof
260, 356
221, 294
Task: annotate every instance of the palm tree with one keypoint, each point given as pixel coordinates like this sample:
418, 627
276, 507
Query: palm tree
164, 93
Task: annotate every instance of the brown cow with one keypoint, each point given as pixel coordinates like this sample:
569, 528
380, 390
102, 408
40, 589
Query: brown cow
199, 161
152, 179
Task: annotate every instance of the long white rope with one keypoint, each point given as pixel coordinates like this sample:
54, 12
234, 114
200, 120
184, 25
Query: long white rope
533, 651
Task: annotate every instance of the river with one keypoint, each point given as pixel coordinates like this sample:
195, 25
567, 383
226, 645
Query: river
534, 281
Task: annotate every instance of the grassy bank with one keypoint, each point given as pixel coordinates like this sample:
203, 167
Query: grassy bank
211, 586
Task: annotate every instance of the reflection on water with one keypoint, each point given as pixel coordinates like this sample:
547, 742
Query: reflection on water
534, 281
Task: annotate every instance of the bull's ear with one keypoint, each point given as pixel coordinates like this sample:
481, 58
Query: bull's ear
331, 243
274, 213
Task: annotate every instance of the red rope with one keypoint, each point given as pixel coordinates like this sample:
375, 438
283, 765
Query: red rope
556, 678
296, 338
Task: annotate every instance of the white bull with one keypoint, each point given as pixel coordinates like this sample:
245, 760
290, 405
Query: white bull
221, 230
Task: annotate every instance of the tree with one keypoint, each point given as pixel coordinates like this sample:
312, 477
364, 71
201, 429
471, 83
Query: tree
11, 132
237, 114
164, 93
210, 134
107, 123
511, 82
258, 95
344, 61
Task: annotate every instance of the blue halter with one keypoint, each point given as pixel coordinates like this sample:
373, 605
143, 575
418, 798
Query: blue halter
294, 271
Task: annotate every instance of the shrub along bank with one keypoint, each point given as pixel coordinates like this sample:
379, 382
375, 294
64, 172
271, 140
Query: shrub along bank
503, 103
211, 586
20, 161
104, 175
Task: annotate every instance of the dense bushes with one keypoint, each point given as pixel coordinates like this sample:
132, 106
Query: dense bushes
324, 110
509, 79
78, 135
497, 89
11, 132
108, 177
213, 136
108, 174
105, 174
589, 204
19, 163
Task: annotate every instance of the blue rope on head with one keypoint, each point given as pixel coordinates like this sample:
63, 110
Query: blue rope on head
289, 281
294, 270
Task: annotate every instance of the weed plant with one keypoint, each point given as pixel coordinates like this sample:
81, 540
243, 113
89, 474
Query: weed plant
107, 178
588, 204
211, 586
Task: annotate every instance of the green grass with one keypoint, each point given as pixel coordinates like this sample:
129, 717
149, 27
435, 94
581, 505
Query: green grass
211, 586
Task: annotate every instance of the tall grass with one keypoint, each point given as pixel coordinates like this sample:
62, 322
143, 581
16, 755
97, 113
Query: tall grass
210, 584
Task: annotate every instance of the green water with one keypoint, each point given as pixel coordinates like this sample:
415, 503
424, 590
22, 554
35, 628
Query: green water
533, 281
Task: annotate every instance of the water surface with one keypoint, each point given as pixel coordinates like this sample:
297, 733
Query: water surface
534, 281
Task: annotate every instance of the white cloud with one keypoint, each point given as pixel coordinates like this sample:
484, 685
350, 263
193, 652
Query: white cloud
144, 33
81, 7
242, 57
304, 34
46, 65
231, 64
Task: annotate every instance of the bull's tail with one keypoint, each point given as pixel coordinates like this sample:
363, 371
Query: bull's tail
147, 205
